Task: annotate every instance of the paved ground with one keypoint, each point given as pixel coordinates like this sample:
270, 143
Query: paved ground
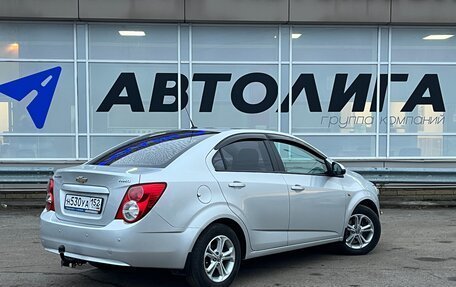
417, 248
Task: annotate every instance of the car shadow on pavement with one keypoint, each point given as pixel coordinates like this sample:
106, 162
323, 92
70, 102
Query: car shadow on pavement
134, 277
120, 276
297, 258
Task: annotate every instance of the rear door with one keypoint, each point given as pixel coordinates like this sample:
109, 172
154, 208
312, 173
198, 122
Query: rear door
254, 192
317, 201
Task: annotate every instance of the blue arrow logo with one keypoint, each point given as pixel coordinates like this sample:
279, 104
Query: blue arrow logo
42, 84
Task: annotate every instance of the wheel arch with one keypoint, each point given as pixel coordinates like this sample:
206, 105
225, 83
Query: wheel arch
369, 204
364, 198
237, 229
232, 222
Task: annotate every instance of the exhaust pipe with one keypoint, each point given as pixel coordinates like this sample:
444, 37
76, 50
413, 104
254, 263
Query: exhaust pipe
68, 261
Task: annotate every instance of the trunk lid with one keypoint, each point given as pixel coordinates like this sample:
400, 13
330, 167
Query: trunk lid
80, 191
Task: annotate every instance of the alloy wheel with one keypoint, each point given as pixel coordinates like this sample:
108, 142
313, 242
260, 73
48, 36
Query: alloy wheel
219, 258
359, 231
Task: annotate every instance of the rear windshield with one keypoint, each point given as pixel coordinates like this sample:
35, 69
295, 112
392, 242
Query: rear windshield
155, 150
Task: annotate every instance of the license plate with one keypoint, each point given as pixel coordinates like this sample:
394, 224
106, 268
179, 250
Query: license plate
87, 204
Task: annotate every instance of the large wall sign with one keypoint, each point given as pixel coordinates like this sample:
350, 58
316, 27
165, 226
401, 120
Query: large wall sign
341, 93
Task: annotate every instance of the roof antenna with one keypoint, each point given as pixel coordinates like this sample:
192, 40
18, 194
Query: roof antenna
190, 118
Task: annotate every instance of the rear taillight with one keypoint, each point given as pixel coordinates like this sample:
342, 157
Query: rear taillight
50, 195
139, 200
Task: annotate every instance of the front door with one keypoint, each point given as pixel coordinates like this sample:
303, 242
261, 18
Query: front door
317, 201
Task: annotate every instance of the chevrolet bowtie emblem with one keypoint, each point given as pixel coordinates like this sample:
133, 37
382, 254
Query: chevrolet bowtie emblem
81, 179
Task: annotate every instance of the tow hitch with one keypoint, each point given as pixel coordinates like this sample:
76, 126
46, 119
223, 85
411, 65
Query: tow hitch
68, 261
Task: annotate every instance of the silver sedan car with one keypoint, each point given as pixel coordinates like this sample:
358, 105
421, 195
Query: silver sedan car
201, 201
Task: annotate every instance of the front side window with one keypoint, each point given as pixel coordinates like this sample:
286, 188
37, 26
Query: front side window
297, 160
243, 156
156, 150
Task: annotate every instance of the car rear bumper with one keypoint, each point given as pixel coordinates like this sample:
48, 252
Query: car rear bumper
117, 243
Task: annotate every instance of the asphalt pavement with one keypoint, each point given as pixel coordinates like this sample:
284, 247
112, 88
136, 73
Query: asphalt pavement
417, 248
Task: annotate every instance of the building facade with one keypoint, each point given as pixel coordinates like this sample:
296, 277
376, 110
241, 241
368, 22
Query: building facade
367, 82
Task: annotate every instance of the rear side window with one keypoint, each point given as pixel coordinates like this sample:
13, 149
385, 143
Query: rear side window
156, 150
243, 156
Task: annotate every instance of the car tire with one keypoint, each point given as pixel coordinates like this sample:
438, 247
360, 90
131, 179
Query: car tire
215, 258
362, 232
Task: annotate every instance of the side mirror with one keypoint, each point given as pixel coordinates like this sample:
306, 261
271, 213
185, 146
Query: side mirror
336, 169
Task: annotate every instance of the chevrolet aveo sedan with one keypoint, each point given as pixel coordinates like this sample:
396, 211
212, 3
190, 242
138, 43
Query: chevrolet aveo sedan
201, 201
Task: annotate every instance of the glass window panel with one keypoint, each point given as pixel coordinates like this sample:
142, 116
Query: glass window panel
284, 89
185, 119
120, 118
80, 42
217, 162
82, 99
285, 43
159, 42
382, 146
384, 44
435, 81
5, 116
346, 121
246, 156
83, 147
36, 41
409, 45
185, 38
449, 146
61, 115
14, 147
224, 114
334, 44
100, 144
235, 43
297, 160
343, 146
422, 146
157, 150
383, 115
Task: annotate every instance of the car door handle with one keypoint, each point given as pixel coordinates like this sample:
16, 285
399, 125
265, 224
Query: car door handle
297, 187
236, 184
